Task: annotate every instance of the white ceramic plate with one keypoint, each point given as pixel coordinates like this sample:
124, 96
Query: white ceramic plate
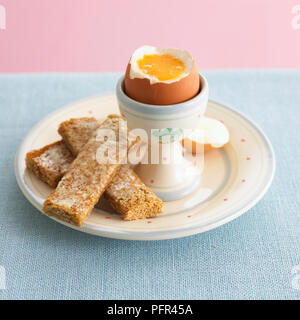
234, 179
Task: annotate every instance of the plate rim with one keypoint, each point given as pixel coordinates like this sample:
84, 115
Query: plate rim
153, 235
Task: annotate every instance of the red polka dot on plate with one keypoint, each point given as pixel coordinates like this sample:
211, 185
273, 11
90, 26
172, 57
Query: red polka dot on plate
107, 217
189, 216
243, 139
149, 221
90, 111
222, 121
225, 199
199, 115
248, 158
243, 180
151, 181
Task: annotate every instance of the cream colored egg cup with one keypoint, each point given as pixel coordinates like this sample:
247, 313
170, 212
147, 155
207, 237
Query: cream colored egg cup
169, 174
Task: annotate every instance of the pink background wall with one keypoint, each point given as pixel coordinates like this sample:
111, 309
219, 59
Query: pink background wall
98, 35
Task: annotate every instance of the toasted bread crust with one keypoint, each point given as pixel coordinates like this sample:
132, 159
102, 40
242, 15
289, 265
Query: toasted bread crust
76, 132
130, 197
50, 163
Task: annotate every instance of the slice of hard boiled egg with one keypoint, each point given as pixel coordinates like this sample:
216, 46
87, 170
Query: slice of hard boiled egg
210, 134
161, 76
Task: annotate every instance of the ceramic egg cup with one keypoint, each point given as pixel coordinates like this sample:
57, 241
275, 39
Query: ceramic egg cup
177, 177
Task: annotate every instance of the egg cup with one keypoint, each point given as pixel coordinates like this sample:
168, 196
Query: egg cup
172, 176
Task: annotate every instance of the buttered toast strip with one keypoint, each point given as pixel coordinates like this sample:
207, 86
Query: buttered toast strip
86, 179
127, 194
77, 132
50, 163
131, 198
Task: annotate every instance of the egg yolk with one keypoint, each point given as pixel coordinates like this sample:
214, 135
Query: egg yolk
162, 66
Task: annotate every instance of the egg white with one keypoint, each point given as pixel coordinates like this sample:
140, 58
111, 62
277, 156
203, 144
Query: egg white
210, 131
136, 72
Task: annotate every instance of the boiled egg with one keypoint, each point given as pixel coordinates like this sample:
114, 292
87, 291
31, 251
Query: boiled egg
161, 76
210, 134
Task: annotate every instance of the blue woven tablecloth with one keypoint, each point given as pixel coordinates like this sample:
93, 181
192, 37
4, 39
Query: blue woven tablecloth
253, 257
